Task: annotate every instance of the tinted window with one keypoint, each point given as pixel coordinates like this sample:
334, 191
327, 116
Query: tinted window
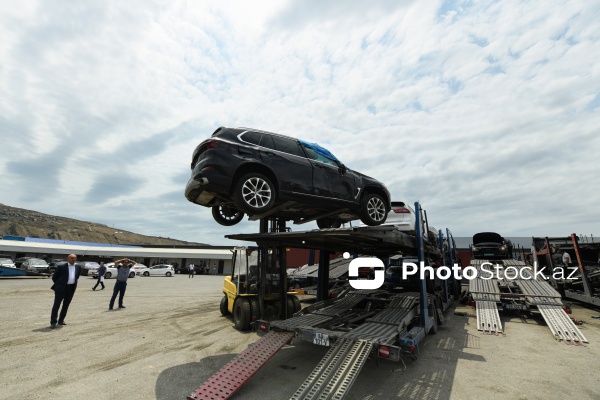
252, 137
267, 141
287, 146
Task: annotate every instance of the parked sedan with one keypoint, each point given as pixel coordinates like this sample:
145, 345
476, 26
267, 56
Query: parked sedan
247, 171
35, 265
158, 270
7, 262
111, 271
89, 268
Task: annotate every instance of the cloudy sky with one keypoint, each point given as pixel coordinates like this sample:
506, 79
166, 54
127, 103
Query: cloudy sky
486, 112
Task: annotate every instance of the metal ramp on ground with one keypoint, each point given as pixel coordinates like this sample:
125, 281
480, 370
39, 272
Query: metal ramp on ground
486, 294
548, 302
236, 372
337, 371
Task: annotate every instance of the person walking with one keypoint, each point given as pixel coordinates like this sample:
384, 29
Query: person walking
65, 283
101, 272
191, 270
123, 268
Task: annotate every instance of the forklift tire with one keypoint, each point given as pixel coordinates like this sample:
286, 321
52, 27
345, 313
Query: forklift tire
254, 309
241, 314
223, 306
297, 305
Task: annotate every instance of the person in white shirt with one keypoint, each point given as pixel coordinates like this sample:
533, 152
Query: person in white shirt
65, 283
566, 258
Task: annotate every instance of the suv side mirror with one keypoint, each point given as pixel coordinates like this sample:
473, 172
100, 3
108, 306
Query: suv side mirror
343, 169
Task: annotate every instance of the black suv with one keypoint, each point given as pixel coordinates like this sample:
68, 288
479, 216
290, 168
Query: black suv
262, 174
489, 245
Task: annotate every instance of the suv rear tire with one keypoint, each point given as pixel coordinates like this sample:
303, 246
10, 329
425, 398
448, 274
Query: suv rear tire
254, 193
227, 215
373, 209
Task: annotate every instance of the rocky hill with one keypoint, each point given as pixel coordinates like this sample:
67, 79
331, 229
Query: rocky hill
27, 223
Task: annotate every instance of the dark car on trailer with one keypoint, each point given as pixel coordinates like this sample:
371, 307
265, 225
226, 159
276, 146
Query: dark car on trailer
489, 245
247, 171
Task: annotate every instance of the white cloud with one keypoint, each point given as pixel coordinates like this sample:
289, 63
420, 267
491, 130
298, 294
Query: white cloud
484, 112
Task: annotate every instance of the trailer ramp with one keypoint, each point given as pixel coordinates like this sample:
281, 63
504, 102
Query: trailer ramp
337, 371
236, 372
486, 294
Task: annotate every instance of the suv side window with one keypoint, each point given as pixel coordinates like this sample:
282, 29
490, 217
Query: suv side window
251, 137
267, 142
287, 146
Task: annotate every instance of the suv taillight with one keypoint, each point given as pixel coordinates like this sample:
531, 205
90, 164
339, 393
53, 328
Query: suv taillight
401, 210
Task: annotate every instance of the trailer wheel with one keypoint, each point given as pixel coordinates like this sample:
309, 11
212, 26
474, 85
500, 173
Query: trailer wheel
241, 314
254, 309
223, 306
290, 307
373, 210
296, 302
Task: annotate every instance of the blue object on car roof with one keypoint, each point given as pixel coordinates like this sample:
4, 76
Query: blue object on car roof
319, 150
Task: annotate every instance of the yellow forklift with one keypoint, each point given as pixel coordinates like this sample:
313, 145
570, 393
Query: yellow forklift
252, 292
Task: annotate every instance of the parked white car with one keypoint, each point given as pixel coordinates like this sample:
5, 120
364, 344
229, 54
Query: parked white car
7, 262
159, 270
111, 271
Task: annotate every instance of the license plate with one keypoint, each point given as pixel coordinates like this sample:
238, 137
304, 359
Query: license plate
321, 339
515, 307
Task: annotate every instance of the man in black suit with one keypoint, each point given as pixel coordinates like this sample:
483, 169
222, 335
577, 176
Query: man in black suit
65, 282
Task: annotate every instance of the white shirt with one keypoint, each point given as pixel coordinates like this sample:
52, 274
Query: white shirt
566, 258
71, 280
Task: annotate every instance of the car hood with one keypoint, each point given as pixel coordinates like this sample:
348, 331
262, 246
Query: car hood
487, 237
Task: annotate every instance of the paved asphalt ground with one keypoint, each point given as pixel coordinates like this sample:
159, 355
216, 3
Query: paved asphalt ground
171, 337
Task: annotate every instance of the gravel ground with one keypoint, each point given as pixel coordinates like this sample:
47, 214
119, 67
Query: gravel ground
171, 337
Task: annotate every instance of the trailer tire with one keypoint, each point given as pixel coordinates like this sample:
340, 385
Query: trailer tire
223, 306
296, 302
290, 307
241, 314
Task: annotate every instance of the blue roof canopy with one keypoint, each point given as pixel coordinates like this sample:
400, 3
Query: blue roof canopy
320, 150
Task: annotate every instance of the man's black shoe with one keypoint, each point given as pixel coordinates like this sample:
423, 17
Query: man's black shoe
110, 308
62, 323
53, 325
93, 288
122, 307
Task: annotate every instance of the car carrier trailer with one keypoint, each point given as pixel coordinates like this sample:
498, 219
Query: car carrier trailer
357, 324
